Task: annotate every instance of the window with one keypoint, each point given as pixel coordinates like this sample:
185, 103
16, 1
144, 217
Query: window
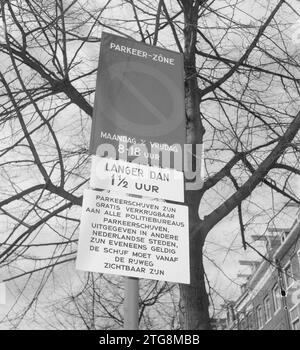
228, 318
294, 314
250, 321
243, 325
267, 306
259, 314
284, 236
288, 273
296, 325
230, 314
276, 298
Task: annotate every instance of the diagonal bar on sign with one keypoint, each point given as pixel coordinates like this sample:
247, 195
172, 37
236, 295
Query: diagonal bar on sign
144, 100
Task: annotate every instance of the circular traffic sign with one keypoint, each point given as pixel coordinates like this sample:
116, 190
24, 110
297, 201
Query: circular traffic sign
142, 100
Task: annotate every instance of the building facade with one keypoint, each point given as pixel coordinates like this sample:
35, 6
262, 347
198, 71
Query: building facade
270, 298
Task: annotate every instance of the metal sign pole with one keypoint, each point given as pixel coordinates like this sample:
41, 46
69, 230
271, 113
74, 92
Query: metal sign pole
131, 303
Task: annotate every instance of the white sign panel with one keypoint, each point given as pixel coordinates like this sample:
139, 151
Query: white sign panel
132, 178
134, 237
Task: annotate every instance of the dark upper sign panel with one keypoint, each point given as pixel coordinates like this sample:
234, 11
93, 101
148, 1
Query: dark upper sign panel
139, 95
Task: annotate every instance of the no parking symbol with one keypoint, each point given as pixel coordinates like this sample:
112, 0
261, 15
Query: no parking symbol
135, 78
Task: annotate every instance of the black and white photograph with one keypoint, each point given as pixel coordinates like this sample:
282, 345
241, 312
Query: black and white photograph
149, 169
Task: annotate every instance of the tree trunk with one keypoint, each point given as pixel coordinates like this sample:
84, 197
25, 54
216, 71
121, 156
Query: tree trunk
193, 297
